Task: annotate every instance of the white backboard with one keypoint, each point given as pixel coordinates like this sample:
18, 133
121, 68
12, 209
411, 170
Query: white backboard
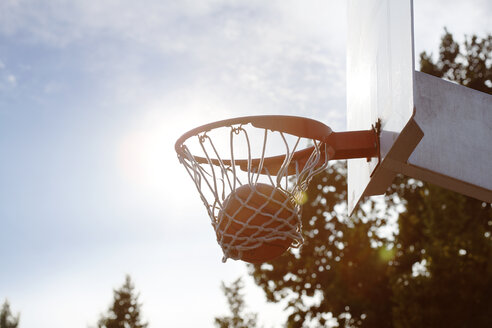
380, 87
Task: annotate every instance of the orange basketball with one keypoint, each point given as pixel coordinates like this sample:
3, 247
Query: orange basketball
251, 218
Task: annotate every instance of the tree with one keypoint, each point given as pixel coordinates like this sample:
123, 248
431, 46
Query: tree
125, 311
443, 270
435, 271
442, 274
471, 68
342, 267
238, 318
7, 320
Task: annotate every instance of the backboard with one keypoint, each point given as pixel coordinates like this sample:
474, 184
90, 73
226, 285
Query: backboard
380, 88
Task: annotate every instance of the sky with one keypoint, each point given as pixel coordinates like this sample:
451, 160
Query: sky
93, 95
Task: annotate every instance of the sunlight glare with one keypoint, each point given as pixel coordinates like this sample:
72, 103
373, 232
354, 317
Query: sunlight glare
146, 158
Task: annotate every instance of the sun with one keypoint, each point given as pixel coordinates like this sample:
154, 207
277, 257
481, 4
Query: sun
141, 158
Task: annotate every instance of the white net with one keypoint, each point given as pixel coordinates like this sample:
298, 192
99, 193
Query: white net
252, 182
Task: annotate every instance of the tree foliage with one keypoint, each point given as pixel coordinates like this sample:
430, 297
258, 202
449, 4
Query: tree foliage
7, 319
442, 273
435, 271
342, 266
471, 67
238, 318
125, 310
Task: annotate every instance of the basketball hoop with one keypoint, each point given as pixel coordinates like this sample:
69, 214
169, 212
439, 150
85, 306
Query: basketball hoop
252, 174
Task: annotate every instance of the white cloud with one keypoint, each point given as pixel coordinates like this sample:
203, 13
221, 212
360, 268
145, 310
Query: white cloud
270, 58
251, 49
52, 87
12, 80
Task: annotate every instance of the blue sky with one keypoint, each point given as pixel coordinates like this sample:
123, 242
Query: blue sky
93, 95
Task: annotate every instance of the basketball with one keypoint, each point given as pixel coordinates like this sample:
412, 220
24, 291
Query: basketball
254, 223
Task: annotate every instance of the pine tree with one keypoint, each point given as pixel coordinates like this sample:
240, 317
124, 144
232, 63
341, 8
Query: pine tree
7, 320
125, 311
238, 318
